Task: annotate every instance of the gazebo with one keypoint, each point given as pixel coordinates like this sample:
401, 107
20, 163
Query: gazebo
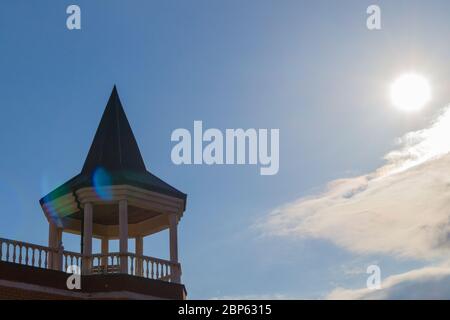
114, 197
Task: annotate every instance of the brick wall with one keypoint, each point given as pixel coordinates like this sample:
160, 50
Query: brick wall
20, 294
25, 282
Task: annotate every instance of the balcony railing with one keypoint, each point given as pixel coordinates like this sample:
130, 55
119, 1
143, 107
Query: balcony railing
58, 259
25, 253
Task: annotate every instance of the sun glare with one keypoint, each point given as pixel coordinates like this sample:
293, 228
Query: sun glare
410, 92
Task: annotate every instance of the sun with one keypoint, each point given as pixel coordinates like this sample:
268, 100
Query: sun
410, 92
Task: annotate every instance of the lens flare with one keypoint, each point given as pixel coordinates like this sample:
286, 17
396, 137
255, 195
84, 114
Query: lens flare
102, 181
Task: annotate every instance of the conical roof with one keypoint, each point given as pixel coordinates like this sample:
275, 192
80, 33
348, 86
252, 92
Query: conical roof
114, 147
114, 150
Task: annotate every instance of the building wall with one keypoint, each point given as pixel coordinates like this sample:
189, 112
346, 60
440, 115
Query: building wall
8, 293
25, 282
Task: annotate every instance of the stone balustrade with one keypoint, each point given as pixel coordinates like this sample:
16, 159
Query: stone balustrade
58, 259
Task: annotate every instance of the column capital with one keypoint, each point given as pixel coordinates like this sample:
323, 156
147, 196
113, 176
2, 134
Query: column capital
173, 218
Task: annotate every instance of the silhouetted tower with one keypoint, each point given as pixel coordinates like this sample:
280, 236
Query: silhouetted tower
115, 197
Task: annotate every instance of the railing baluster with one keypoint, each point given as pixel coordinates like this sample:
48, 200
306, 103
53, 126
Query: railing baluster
14, 253
131, 265
32, 257
7, 252
20, 253
40, 258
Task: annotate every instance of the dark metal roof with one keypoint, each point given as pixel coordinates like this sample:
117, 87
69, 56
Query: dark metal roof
115, 150
114, 147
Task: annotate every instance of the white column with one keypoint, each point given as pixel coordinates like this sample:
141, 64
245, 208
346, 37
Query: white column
105, 251
58, 260
123, 235
87, 241
173, 235
173, 226
59, 232
139, 253
52, 234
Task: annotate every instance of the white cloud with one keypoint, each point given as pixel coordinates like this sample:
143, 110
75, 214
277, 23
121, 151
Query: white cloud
425, 283
402, 208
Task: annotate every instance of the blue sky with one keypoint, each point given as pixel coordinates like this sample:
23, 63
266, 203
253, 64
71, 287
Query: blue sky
308, 68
